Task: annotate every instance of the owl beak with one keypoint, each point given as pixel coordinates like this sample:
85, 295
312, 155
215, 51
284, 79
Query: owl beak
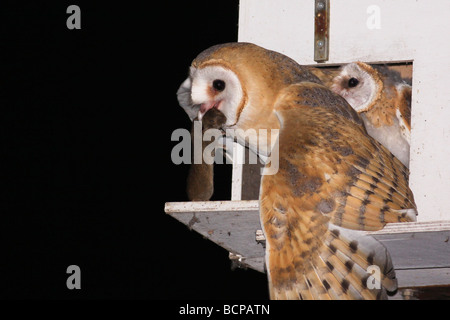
204, 107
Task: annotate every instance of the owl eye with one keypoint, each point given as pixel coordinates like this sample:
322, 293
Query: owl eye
353, 82
219, 85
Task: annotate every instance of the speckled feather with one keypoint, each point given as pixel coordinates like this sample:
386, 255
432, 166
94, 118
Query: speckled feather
331, 174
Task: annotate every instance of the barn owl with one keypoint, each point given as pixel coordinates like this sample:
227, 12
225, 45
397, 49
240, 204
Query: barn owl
200, 185
334, 180
383, 99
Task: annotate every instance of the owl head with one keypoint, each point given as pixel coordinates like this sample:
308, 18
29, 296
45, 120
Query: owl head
242, 80
359, 84
211, 86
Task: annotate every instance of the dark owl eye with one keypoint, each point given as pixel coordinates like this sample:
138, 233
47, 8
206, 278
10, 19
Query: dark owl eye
353, 82
219, 85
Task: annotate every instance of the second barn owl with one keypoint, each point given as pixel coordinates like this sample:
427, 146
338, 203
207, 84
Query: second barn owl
333, 179
383, 100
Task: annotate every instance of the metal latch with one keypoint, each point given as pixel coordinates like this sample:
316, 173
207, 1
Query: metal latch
321, 30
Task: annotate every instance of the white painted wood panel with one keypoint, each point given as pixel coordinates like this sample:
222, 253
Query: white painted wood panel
409, 30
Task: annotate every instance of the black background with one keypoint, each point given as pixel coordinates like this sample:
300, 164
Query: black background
86, 118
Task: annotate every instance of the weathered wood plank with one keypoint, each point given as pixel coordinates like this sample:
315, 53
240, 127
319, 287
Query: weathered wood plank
210, 206
230, 224
420, 250
408, 278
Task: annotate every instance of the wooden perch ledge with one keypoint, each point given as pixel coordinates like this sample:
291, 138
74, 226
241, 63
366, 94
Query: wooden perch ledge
420, 250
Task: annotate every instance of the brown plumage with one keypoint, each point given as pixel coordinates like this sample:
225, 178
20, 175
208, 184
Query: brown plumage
200, 181
326, 76
331, 175
333, 178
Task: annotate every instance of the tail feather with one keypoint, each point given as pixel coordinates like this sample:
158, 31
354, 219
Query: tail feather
365, 252
341, 268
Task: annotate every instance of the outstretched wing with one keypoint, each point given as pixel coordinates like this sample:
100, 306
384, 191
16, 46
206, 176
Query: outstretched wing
332, 177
